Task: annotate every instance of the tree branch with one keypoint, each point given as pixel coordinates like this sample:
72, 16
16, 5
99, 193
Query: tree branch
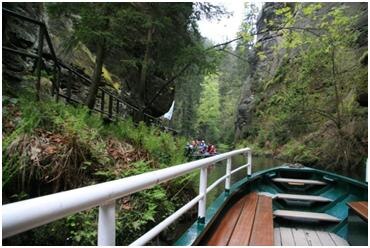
170, 81
233, 54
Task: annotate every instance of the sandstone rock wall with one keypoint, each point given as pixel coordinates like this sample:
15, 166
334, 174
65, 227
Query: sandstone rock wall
267, 68
18, 69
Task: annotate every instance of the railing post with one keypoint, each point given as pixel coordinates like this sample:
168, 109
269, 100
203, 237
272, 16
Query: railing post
57, 84
107, 225
102, 103
203, 191
69, 87
110, 106
39, 62
249, 161
228, 178
117, 109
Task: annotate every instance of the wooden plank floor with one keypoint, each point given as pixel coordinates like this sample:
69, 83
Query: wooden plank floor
263, 226
224, 230
248, 222
285, 236
243, 227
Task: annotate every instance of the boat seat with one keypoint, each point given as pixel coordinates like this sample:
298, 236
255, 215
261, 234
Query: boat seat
248, 222
294, 197
357, 223
360, 208
293, 181
305, 216
285, 236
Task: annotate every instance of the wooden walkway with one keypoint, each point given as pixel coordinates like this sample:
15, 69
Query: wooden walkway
284, 236
248, 222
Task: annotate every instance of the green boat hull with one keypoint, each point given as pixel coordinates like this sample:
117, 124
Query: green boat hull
339, 189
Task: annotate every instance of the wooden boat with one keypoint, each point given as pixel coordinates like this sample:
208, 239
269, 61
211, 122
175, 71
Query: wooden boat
286, 205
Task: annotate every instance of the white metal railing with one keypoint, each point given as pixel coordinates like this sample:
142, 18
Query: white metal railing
24, 215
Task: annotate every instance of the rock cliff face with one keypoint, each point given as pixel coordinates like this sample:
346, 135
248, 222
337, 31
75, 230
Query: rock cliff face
269, 67
17, 69
17, 34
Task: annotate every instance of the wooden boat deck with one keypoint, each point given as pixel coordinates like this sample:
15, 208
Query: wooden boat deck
248, 222
300, 216
360, 208
284, 236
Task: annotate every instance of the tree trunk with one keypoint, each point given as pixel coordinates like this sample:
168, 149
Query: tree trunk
336, 90
144, 68
90, 101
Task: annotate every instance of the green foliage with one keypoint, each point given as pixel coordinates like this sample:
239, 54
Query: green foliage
164, 148
136, 215
295, 151
311, 98
208, 112
83, 227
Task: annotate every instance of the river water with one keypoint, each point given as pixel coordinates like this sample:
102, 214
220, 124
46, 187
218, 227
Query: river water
258, 164
219, 170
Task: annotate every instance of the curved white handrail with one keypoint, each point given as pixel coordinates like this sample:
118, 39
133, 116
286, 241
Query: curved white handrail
24, 215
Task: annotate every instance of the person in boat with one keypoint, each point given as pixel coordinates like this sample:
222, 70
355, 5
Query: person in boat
211, 150
188, 149
202, 147
194, 144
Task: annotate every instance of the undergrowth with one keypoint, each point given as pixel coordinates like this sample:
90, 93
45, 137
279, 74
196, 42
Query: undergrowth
50, 147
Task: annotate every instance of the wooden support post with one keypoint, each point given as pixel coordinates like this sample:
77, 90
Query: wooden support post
54, 89
102, 102
58, 85
39, 62
69, 87
117, 109
110, 106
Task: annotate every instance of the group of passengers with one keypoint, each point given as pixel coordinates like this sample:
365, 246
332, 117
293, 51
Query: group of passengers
200, 148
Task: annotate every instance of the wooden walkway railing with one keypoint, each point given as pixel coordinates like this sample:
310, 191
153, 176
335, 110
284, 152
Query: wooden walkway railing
115, 103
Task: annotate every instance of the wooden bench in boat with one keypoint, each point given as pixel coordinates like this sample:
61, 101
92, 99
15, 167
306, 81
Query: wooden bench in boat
248, 222
293, 181
294, 197
360, 208
358, 223
307, 216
